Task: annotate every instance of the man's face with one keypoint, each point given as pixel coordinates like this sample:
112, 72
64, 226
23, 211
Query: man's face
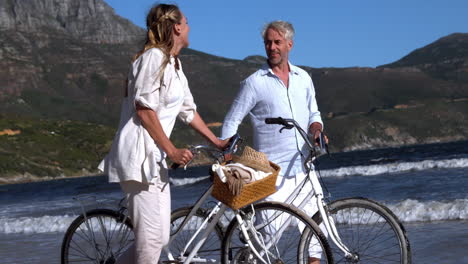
277, 47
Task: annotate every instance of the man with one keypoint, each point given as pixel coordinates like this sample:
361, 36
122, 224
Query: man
278, 89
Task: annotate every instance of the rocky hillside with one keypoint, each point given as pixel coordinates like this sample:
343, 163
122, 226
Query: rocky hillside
63, 58
67, 59
446, 58
89, 21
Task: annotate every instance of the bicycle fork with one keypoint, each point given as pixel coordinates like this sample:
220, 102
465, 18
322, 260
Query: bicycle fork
213, 221
328, 221
242, 225
209, 222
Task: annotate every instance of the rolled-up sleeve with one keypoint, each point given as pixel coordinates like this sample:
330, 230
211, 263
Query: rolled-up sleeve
147, 79
189, 107
243, 103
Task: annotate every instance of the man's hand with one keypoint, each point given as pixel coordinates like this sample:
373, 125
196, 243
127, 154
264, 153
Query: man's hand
315, 129
222, 144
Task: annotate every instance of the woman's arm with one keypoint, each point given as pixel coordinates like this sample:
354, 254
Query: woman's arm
200, 126
150, 122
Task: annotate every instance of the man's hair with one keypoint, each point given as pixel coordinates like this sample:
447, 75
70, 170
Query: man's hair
282, 27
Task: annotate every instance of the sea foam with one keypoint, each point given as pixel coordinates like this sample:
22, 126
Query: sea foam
32, 225
185, 181
407, 211
370, 170
414, 211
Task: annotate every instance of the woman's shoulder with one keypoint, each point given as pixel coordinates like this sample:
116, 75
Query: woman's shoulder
153, 52
152, 56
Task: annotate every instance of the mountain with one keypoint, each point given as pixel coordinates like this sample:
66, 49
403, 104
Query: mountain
63, 63
89, 21
63, 58
446, 58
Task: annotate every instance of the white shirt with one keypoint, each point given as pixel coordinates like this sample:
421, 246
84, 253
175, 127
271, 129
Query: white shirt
134, 155
264, 95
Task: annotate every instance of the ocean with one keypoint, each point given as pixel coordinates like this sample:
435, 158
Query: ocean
426, 186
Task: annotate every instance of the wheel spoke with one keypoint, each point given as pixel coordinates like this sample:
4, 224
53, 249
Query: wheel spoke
370, 231
98, 237
279, 232
181, 235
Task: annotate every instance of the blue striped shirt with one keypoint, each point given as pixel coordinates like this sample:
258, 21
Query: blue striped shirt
263, 95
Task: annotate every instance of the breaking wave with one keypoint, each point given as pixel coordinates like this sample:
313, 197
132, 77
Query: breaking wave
407, 211
369, 170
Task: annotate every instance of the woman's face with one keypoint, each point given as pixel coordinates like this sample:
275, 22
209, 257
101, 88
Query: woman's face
183, 29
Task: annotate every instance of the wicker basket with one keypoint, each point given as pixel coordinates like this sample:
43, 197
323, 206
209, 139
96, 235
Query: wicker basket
251, 192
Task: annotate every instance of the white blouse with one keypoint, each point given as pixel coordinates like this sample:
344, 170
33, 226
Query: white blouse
134, 155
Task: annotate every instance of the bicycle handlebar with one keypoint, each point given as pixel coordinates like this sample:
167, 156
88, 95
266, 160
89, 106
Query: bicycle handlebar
215, 153
319, 150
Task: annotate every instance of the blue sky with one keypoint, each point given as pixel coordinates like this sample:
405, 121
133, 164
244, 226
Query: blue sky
329, 33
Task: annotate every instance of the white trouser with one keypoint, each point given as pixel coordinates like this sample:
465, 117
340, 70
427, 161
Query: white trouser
149, 208
285, 187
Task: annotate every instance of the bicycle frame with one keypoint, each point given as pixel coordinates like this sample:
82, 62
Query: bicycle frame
217, 211
215, 214
213, 218
316, 192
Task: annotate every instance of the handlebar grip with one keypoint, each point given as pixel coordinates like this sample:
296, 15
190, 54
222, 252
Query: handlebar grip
232, 145
272, 120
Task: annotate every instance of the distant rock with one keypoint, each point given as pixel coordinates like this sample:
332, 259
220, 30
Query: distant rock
87, 20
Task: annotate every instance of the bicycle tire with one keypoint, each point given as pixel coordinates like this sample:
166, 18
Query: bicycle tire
236, 251
211, 248
370, 230
98, 236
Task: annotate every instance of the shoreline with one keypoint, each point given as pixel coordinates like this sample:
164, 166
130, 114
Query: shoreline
200, 161
29, 178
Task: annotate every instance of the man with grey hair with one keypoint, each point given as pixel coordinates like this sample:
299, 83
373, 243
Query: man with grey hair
279, 89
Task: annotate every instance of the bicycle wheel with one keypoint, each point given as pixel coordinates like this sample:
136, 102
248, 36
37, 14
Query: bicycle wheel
370, 230
99, 236
277, 228
209, 252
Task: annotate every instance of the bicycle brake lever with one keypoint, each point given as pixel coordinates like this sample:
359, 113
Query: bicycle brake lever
286, 127
194, 151
186, 164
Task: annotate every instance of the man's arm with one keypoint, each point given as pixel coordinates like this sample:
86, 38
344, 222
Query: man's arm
315, 119
243, 103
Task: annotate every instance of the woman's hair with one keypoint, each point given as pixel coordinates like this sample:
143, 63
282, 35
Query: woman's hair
283, 27
159, 24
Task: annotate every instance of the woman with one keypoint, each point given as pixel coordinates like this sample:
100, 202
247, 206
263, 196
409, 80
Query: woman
156, 93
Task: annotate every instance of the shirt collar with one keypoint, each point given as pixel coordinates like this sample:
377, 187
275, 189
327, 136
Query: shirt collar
265, 69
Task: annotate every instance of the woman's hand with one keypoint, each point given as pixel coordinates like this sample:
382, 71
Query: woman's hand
180, 156
222, 144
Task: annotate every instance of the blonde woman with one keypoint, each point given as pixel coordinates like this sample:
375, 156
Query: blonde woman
157, 92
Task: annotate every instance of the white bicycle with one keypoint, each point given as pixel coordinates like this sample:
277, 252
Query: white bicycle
264, 232
362, 230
